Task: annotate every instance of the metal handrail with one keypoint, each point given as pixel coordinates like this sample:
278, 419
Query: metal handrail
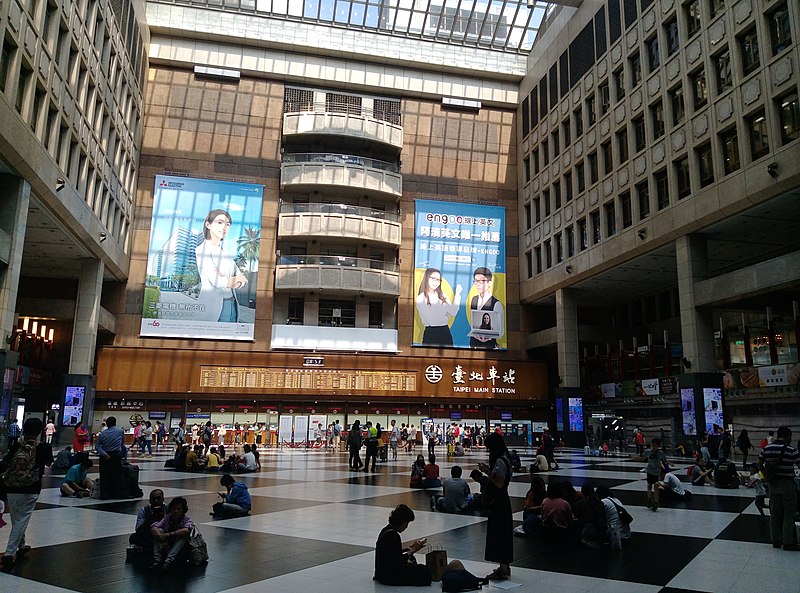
336, 260
290, 208
300, 106
340, 159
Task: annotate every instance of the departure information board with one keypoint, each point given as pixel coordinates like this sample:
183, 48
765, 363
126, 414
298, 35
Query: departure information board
307, 379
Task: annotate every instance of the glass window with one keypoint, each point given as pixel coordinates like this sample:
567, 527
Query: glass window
671, 31
662, 189
596, 233
748, 48
682, 177
699, 88
627, 209
678, 105
528, 217
622, 145
581, 175
722, 66
548, 254
605, 98
296, 312
568, 186
545, 152
759, 137
619, 84
705, 164
566, 130
653, 57
593, 170
557, 194
640, 138
537, 253
583, 234
635, 62
643, 197
577, 115
337, 313
657, 115
529, 264
714, 6
535, 159
546, 202
692, 12
376, 313
611, 219
730, 150
789, 115
559, 248
780, 33
570, 235
591, 112
537, 209
555, 138
526, 166
608, 159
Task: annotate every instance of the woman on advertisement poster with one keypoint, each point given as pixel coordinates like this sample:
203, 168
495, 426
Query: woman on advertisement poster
219, 275
435, 309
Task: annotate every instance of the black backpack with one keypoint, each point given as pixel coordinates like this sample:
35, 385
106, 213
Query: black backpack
461, 580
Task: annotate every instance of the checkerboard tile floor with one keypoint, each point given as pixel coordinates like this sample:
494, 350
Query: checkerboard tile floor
314, 523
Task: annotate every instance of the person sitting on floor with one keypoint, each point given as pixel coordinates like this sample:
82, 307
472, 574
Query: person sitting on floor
171, 535
458, 450
417, 469
247, 462
700, 474
213, 460
671, 486
557, 518
64, 460
147, 515
592, 522
394, 564
532, 511
76, 483
236, 502
457, 496
430, 475
516, 462
192, 463
539, 464
618, 531
726, 475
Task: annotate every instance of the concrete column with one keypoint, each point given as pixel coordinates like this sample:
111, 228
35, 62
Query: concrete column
567, 338
14, 203
697, 332
87, 314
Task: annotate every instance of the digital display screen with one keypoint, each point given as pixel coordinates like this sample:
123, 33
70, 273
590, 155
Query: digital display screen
158, 415
687, 411
575, 414
712, 403
73, 405
559, 414
506, 416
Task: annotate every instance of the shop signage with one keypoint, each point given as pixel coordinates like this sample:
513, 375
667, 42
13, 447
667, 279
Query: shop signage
668, 385
650, 386
126, 405
157, 415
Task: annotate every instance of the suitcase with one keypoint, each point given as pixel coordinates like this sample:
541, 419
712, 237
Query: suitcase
130, 481
384, 453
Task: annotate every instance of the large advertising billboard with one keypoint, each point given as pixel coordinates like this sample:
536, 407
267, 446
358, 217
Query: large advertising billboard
459, 276
202, 263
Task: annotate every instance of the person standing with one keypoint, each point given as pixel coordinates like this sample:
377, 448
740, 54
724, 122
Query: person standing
494, 499
656, 463
13, 433
782, 489
372, 446
49, 431
744, 445
111, 449
27, 461
336, 432
638, 439
412, 438
146, 438
354, 442
394, 438
80, 438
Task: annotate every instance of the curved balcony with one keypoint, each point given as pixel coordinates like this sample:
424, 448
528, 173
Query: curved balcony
312, 170
352, 275
358, 126
339, 220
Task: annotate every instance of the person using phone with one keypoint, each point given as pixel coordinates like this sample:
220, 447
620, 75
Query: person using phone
394, 563
236, 502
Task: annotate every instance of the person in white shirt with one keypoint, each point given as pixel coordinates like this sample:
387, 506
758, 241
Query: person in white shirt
618, 531
49, 431
247, 463
435, 309
673, 488
219, 275
486, 301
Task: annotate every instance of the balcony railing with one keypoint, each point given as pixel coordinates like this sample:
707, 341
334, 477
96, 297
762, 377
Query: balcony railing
337, 260
340, 159
316, 208
378, 113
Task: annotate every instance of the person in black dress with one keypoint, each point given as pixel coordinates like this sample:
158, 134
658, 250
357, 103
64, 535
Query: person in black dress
394, 564
496, 503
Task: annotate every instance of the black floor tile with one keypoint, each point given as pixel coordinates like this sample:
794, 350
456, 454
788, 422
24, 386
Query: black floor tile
748, 528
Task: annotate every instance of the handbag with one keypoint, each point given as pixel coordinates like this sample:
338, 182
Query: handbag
198, 550
624, 516
462, 580
436, 561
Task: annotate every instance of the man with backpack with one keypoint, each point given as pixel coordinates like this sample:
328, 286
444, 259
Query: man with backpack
22, 480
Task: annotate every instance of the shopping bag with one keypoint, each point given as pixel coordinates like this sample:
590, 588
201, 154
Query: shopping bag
436, 561
198, 551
